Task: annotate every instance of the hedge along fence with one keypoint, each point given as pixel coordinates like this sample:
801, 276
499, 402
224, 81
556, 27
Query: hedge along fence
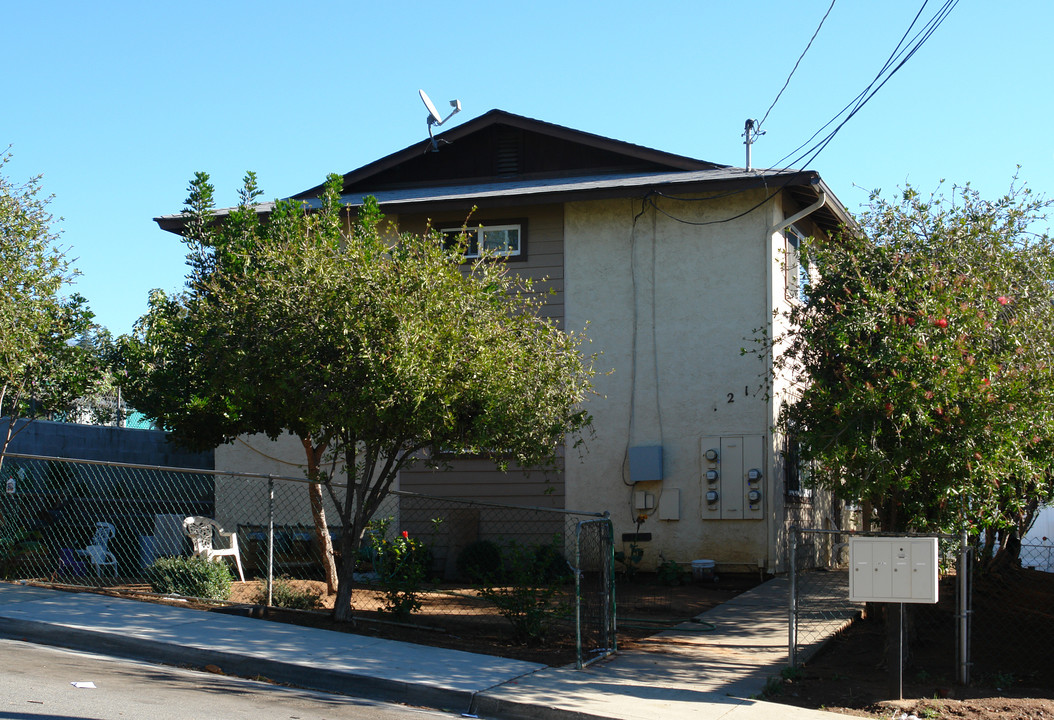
424, 546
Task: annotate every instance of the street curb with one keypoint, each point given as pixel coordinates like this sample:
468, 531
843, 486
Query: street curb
313, 678
485, 705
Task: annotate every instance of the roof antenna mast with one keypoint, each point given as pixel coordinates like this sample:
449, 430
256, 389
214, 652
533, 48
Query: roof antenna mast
434, 117
751, 133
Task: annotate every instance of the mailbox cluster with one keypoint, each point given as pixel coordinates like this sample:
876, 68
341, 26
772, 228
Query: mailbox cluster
895, 570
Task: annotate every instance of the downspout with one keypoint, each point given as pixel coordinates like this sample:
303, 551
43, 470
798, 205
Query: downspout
787, 222
779, 227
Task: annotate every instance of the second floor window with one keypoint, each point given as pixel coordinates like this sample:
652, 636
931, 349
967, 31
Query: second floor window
500, 240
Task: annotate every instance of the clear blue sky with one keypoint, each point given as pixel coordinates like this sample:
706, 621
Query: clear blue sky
118, 103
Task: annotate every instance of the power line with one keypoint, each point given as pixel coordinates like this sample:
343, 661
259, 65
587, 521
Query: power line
896, 60
856, 99
757, 128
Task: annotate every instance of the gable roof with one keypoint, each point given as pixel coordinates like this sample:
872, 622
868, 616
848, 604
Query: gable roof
500, 158
498, 146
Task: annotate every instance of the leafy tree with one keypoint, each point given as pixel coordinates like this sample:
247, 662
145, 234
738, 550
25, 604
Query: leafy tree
924, 357
42, 369
372, 347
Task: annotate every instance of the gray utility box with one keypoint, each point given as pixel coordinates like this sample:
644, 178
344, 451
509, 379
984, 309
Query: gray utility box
893, 570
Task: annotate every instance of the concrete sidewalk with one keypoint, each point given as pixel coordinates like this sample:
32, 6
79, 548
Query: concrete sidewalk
681, 673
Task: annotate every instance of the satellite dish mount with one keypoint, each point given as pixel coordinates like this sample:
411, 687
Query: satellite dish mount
434, 117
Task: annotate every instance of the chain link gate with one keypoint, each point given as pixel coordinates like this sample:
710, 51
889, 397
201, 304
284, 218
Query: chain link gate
594, 590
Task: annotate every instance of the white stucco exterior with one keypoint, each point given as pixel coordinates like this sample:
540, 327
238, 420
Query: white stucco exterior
671, 305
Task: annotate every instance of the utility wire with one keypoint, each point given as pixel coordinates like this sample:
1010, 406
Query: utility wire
757, 128
896, 60
856, 99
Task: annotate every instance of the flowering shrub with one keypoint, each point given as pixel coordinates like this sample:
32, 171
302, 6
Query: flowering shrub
921, 363
401, 565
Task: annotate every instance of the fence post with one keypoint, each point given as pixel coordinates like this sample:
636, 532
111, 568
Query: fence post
963, 614
270, 539
580, 663
609, 572
792, 626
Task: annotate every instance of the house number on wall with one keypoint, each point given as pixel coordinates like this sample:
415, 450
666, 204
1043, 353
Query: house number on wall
746, 393
732, 396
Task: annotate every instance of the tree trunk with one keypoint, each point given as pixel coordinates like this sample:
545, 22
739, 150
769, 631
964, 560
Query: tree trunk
1008, 555
318, 514
325, 543
349, 551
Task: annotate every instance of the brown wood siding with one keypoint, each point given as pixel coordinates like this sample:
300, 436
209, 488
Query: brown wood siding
478, 479
544, 244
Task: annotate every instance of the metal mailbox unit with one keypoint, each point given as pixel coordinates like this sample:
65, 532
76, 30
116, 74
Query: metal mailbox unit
893, 570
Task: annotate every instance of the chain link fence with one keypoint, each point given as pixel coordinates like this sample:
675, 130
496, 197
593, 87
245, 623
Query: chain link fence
1012, 618
992, 625
429, 561
819, 605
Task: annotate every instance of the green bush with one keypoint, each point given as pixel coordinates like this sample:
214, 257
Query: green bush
284, 595
401, 565
527, 596
479, 561
190, 576
671, 573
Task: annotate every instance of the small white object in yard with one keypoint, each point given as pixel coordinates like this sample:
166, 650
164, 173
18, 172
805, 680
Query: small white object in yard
905, 716
89, 685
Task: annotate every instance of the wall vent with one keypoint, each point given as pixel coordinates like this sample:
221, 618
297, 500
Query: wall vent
509, 152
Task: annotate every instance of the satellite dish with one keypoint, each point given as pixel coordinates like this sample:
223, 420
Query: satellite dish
434, 118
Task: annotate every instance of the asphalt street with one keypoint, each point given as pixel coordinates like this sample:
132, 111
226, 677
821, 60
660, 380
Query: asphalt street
36, 682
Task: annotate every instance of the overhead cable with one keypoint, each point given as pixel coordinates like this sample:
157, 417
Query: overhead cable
757, 128
896, 60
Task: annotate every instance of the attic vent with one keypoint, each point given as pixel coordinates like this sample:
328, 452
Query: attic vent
507, 155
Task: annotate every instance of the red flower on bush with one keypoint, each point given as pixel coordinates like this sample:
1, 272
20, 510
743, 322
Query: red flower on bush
1003, 299
406, 534
941, 323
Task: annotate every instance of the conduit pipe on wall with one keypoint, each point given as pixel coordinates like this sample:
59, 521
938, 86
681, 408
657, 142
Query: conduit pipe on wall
779, 227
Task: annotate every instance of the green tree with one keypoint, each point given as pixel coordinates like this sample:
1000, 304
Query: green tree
373, 348
923, 363
42, 369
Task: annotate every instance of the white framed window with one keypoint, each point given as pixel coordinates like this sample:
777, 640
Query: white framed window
795, 264
500, 240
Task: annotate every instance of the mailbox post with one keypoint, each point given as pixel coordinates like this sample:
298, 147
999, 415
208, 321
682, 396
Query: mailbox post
893, 570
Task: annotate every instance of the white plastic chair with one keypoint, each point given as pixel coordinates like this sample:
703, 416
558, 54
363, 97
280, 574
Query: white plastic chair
97, 553
202, 531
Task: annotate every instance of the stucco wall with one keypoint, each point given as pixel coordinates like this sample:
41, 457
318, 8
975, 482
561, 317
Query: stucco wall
244, 501
670, 305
